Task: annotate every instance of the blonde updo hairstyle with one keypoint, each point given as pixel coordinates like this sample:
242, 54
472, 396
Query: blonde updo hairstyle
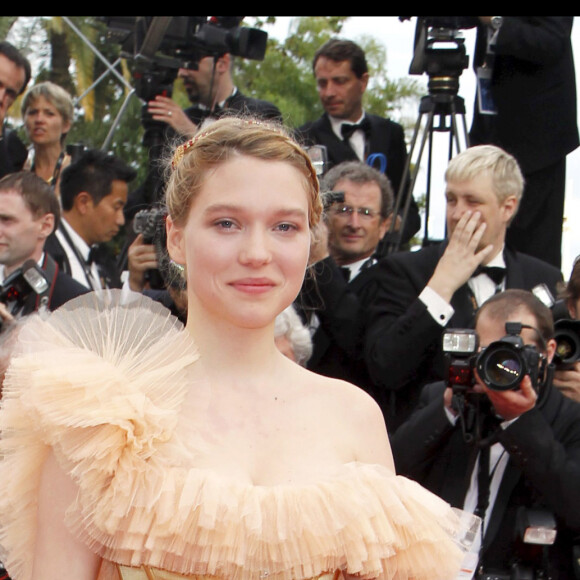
222, 141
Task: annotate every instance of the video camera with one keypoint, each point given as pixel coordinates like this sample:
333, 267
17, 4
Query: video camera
161, 45
439, 51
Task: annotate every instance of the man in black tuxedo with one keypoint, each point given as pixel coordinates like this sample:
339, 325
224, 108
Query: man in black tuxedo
29, 211
342, 282
212, 92
15, 73
345, 129
527, 64
93, 193
530, 441
420, 293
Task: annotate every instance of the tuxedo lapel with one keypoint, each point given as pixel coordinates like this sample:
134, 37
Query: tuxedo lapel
337, 149
514, 272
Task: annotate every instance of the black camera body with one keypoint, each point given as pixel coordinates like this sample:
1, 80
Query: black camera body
151, 224
28, 280
567, 336
501, 366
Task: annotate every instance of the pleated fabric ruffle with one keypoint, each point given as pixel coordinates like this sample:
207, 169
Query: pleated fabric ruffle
102, 382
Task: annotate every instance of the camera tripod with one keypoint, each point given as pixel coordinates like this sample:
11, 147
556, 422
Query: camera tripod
440, 53
438, 113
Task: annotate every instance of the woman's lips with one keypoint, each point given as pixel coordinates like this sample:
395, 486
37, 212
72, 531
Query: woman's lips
253, 285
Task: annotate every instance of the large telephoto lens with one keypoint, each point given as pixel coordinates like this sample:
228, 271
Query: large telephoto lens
501, 367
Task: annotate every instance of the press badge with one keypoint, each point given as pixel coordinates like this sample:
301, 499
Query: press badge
484, 95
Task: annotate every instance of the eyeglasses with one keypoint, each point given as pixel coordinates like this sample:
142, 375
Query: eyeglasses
363, 212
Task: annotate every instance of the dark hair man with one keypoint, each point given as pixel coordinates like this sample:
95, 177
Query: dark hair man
15, 73
524, 465
212, 92
93, 193
345, 129
29, 212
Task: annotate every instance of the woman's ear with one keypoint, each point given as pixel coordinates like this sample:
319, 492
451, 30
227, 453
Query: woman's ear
175, 242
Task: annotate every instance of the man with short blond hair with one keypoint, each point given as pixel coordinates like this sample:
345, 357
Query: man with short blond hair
421, 293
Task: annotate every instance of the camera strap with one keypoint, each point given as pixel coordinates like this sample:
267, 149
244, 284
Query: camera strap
51, 269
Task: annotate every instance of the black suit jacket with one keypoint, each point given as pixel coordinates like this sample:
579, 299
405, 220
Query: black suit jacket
543, 469
13, 152
403, 341
239, 103
386, 137
339, 307
534, 88
107, 264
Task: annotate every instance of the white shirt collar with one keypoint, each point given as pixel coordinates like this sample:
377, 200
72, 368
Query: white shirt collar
83, 248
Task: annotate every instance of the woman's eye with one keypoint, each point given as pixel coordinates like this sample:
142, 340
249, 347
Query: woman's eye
225, 224
286, 227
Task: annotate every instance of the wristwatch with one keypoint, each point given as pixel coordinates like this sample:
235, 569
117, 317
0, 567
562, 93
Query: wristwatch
496, 22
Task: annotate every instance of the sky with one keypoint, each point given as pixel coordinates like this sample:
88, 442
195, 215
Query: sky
398, 37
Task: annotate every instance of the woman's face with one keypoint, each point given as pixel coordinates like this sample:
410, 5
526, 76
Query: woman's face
44, 124
246, 242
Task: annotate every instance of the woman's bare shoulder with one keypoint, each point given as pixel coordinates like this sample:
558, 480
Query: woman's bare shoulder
355, 412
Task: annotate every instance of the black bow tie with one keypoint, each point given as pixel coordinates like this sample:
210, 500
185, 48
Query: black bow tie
347, 129
496, 273
345, 272
93, 255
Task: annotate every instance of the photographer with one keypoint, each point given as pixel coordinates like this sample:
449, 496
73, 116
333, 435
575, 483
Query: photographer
532, 434
567, 377
212, 92
29, 213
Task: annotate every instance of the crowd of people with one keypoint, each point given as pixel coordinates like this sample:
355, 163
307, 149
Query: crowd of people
256, 387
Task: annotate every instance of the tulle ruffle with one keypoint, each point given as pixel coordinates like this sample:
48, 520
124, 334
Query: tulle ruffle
102, 382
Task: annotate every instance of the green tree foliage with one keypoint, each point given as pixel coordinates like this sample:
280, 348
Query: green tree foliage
59, 48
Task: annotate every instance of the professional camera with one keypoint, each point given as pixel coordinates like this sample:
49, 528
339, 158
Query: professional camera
501, 366
25, 281
440, 51
566, 329
151, 224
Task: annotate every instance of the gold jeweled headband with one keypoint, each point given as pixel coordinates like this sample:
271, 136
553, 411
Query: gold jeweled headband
182, 149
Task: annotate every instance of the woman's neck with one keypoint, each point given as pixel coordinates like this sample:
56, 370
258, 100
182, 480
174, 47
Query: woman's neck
45, 159
231, 352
